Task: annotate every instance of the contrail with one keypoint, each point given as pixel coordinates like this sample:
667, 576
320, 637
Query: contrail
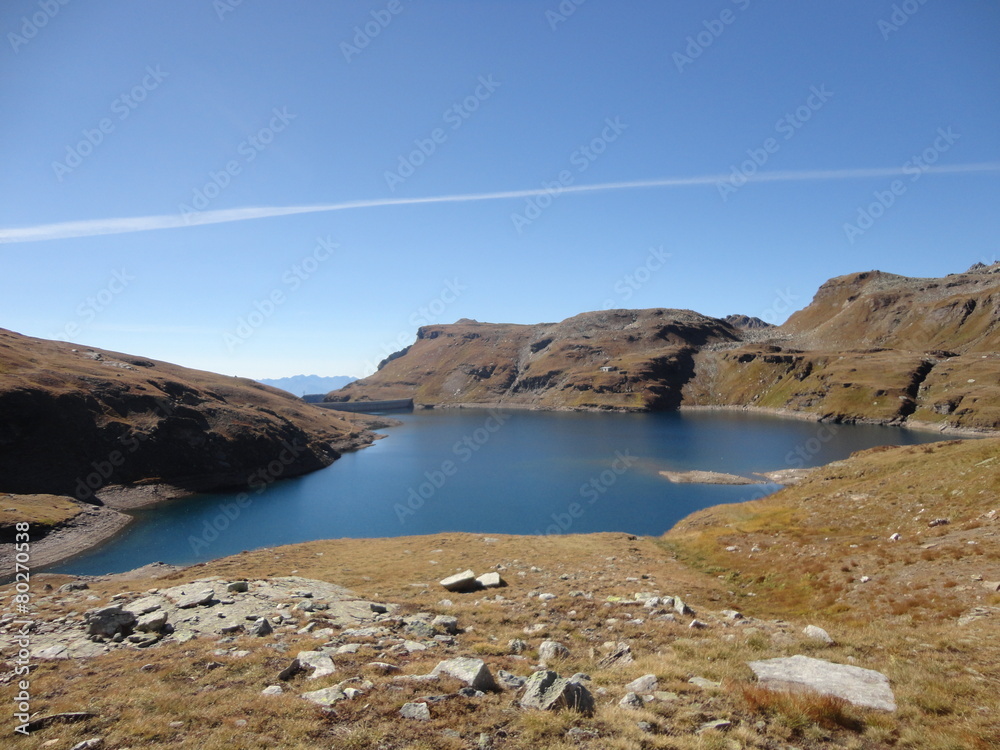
98, 227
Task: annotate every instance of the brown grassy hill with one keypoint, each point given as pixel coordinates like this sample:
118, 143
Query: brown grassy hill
646, 356
76, 419
959, 313
870, 347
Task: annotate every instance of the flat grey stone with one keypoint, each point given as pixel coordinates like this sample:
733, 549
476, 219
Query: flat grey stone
705, 684
862, 687
646, 684
418, 711
490, 581
325, 697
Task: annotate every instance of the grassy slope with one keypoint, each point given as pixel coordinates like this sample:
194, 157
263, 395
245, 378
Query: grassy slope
67, 407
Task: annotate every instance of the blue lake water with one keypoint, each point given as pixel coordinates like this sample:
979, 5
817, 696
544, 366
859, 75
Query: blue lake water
516, 472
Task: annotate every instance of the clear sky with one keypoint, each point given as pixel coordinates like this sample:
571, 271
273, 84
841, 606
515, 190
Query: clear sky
236, 186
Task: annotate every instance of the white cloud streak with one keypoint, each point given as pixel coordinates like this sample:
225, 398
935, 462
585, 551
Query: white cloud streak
101, 227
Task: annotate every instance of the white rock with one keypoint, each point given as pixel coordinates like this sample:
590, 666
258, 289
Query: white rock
465, 581
862, 687
645, 684
418, 711
817, 634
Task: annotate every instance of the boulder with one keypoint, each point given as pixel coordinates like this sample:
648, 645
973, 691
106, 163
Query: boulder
261, 627
546, 691
238, 587
646, 684
272, 690
551, 650
447, 623
417, 711
154, 622
862, 687
473, 672
465, 581
490, 581
632, 702
194, 599
816, 633
109, 621
681, 608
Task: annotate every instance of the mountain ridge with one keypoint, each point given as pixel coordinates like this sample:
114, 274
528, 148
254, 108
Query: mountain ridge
870, 347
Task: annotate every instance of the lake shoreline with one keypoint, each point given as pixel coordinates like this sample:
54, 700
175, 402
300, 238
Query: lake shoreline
96, 525
804, 416
90, 531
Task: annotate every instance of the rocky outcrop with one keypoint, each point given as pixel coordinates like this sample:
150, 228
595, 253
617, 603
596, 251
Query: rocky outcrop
76, 420
615, 359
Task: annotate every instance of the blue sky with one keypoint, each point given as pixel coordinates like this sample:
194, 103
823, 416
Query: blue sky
242, 186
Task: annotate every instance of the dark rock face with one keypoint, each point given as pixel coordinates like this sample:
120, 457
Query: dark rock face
75, 420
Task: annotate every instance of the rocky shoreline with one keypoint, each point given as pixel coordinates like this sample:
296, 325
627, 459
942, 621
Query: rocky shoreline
91, 527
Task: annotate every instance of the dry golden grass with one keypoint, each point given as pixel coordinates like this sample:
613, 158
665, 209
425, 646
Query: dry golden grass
38, 510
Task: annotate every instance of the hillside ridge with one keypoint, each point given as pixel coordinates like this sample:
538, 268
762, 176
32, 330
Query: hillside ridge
870, 347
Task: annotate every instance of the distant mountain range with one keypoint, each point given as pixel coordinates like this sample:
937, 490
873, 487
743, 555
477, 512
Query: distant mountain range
306, 384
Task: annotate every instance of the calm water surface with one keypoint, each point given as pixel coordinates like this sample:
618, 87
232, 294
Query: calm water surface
477, 471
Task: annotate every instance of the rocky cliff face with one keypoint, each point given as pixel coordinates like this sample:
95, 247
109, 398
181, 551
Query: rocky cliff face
73, 420
617, 359
870, 347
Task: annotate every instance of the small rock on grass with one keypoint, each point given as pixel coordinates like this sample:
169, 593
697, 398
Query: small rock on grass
816, 633
645, 684
632, 702
418, 711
